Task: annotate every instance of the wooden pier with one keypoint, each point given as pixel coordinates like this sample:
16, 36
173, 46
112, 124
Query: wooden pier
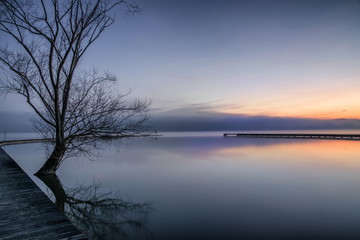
25, 211
295, 135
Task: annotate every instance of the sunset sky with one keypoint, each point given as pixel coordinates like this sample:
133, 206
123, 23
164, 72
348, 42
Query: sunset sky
278, 58
275, 58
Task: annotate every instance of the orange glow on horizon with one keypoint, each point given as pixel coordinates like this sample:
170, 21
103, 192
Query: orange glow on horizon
312, 154
334, 104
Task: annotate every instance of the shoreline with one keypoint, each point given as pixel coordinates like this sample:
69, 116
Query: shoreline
40, 140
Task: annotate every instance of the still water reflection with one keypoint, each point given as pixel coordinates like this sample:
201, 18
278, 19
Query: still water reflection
219, 187
99, 214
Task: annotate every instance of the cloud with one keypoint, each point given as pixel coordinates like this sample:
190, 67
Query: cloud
202, 109
203, 117
212, 121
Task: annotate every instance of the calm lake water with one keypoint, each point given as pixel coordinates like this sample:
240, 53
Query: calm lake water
187, 186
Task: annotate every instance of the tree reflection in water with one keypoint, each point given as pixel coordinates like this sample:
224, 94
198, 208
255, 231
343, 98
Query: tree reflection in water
98, 214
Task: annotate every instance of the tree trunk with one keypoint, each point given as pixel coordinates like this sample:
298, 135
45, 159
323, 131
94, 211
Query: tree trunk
53, 162
53, 182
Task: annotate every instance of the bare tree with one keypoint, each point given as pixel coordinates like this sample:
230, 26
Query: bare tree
71, 104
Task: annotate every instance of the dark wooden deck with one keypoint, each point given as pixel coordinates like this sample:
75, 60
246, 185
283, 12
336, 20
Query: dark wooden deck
295, 135
25, 211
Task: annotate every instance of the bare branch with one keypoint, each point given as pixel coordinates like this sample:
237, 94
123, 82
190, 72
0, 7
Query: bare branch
50, 39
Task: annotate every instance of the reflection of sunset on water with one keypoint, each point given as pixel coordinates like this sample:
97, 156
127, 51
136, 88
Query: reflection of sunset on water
313, 153
277, 186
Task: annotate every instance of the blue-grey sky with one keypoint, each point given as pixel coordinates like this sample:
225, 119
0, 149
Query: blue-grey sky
278, 58
270, 58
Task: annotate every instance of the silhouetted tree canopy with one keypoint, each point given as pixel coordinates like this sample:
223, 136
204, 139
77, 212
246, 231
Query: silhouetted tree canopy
46, 41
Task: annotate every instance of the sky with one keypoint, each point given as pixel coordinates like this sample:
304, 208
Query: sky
278, 60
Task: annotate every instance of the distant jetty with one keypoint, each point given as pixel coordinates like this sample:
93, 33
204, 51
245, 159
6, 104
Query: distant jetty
295, 135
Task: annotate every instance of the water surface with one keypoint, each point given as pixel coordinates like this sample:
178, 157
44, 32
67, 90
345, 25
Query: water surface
205, 185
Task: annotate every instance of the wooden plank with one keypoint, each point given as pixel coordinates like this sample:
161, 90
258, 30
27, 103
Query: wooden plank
25, 211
